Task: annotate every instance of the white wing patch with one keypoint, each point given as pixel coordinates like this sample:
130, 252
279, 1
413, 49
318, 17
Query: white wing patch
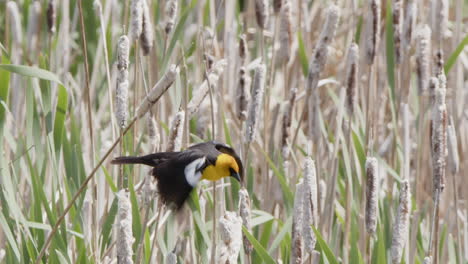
192, 175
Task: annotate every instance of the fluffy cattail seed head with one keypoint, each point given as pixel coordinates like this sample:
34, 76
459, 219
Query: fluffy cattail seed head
277, 4
285, 33
136, 19
244, 212
125, 237
243, 94
372, 31
123, 51
33, 26
121, 93
423, 57
243, 48
409, 23
397, 28
319, 56
230, 227
351, 80
147, 36
171, 258
153, 133
439, 19
51, 16
297, 243
287, 117
454, 160
400, 227
439, 135
254, 111
171, 11
372, 175
15, 23
310, 205
261, 13
177, 131
428, 260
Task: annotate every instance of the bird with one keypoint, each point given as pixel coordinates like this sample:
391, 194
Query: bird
178, 173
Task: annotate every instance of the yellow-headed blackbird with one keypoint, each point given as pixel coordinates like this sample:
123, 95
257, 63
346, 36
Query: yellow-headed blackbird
177, 173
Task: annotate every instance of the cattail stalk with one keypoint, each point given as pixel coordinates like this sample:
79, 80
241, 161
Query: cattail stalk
351, 80
33, 27
439, 20
230, 227
310, 205
245, 213
171, 12
258, 88
297, 243
176, 133
423, 56
371, 194
15, 23
125, 237
397, 10
400, 228
243, 94
147, 35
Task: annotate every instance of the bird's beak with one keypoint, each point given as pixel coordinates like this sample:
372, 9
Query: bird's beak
235, 175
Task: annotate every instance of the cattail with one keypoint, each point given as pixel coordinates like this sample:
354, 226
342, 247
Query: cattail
157, 91
136, 19
397, 9
432, 87
439, 20
177, 131
297, 243
351, 80
149, 188
261, 13
153, 133
202, 91
423, 55
15, 23
439, 62
171, 258
372, 31
33, 25
258, 87
427, 260
51, 16
310, 204
439, 135
409, 23
453, 158
125, 237
285, 33
244, 212
230, 227
147, 35
400, 228
319, 56
372, 175
287, 117
243, 94
277, 4
243, 49
121, 93
171, 12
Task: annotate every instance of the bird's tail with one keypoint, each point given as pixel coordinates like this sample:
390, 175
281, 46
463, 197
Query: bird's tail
133, 160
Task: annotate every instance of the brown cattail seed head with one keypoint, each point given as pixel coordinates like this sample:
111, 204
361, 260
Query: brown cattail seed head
423, 57
147, 36
310, 204
171, 12
51, 16
243, 94
397, 28
243, 48
285, 33
319, 56
351, 80
277, 4
121, 93
244, 212
297, 243
432, 87
254, 111
177, 131
287, 117
124, 229
409, 23
454, 160
400, 227
372, 31
230, 230
439, 135
372, 175
261, 13
136, 19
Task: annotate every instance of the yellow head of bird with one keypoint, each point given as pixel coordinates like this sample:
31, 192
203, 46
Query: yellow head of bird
225, 166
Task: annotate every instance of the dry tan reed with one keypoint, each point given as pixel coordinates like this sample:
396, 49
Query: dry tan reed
453, 157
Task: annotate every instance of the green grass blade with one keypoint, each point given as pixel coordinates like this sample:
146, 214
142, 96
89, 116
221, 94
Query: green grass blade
324, 248
31, 72
261, 251
454, 56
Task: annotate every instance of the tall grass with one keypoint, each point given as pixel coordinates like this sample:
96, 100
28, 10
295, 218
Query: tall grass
350, 117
